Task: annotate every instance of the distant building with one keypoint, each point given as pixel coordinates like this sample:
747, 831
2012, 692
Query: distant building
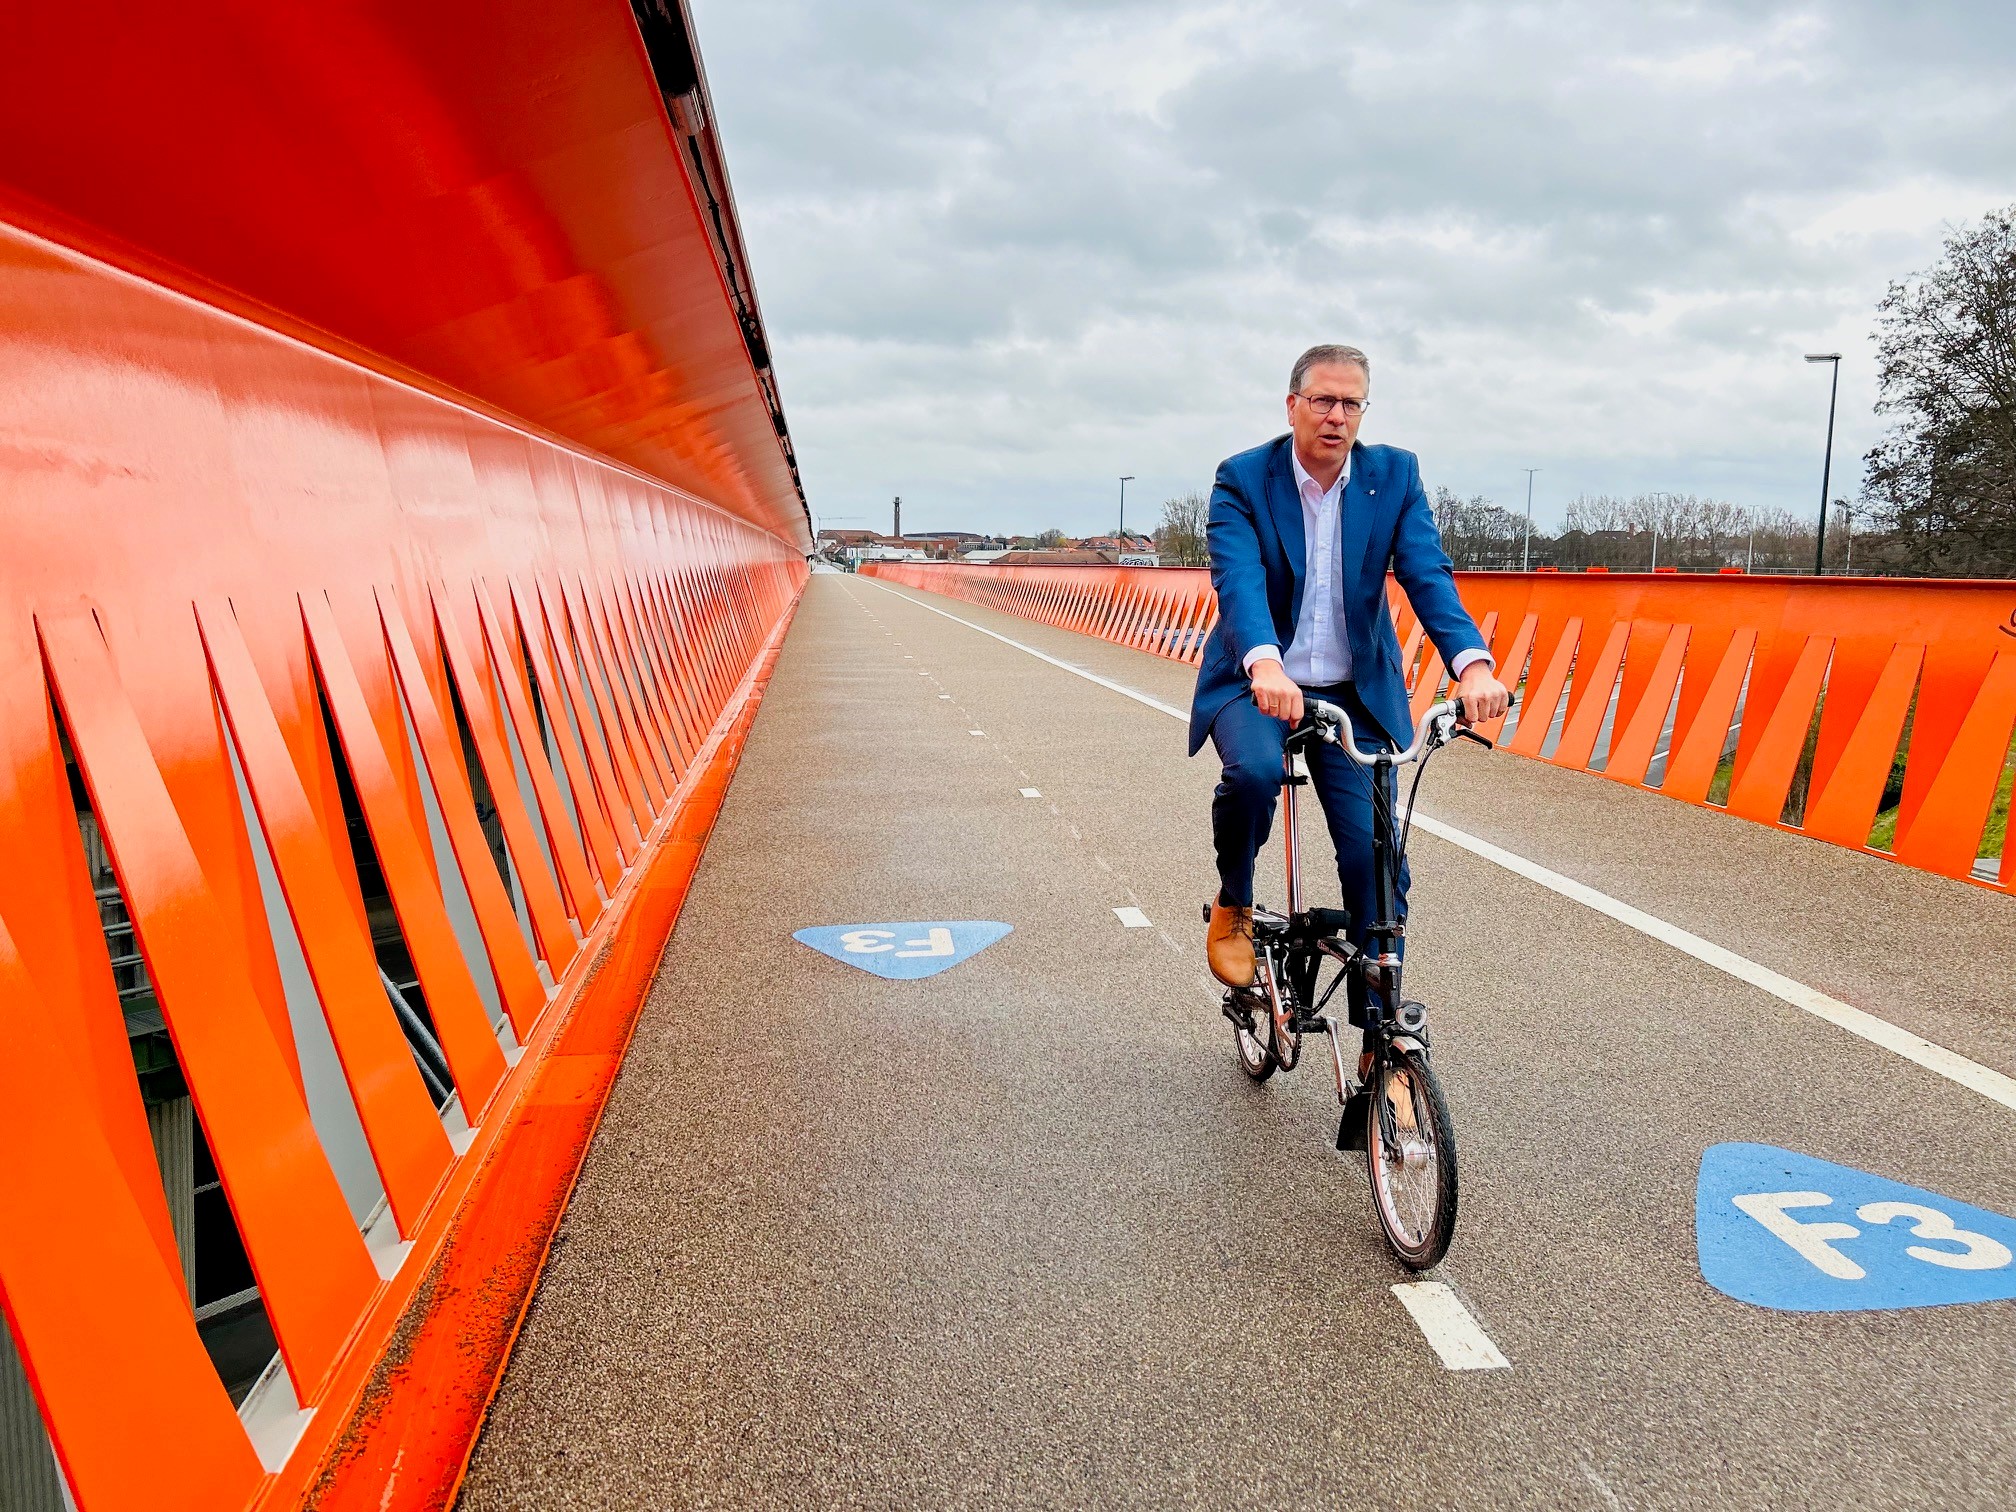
935, 547
1077, 556
857, 546
834, 543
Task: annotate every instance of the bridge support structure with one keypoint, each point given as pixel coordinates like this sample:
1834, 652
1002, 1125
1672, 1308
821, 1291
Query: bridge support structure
401, 518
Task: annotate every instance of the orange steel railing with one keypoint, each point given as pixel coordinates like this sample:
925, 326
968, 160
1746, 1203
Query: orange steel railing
224, 544
1165, 611
1810, 705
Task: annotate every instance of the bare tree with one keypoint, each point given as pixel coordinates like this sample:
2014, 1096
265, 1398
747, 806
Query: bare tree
1475, 532
1179, 540
1721, 528
1682, 531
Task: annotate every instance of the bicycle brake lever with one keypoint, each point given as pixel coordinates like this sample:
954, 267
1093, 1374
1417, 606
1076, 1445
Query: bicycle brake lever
1464, 733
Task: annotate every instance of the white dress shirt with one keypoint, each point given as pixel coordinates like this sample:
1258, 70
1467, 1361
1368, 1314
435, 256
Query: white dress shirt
1319, 652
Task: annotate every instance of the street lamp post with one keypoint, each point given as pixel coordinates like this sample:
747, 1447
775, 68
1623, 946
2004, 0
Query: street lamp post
1827, 465
1129, 478
1662, 502
1526, 544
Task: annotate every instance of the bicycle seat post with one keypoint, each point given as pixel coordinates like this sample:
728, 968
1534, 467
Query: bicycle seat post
1295, 775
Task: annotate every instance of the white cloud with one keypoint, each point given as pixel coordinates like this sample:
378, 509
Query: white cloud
1009, 253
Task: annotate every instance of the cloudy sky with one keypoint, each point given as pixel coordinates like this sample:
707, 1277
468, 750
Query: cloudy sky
1008, 252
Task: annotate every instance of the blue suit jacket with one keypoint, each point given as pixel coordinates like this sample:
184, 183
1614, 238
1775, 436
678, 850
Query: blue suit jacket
1258, 557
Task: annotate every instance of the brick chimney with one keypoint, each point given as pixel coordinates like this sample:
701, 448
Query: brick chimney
898, 531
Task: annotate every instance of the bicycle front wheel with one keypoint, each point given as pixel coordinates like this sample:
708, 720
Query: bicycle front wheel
1410, 1153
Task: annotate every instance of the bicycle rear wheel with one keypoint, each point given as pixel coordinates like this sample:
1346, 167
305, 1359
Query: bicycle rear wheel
1251, 1045
1410, 1154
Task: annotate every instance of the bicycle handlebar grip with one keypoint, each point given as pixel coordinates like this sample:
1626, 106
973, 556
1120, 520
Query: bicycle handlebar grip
1456, 702
1321, 711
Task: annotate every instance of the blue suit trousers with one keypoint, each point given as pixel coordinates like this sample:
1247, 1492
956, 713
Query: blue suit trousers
1250, 747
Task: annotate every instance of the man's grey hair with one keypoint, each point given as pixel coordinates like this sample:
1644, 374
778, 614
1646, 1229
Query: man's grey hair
1332, 355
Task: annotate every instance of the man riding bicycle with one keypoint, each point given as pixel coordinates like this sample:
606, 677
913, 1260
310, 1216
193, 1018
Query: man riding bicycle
1302, 533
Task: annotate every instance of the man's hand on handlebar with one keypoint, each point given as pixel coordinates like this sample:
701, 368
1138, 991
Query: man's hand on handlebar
1484, 697
1276, 694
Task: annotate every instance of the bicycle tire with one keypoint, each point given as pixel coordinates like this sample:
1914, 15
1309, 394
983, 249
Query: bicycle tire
1418, 1224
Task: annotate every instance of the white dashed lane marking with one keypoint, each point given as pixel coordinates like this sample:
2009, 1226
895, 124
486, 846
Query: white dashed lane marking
1448, 1327
1443, 1319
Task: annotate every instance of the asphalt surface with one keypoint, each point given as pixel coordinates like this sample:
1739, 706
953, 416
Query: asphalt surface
1020, 1234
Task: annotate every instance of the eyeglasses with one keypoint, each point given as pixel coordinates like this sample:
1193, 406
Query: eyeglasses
1322, 404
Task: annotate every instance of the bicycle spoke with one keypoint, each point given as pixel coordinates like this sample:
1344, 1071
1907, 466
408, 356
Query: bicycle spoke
1412, 1161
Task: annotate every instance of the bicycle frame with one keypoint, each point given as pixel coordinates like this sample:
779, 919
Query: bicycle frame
1291, 956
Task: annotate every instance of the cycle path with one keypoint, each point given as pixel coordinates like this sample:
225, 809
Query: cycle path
1019, 1233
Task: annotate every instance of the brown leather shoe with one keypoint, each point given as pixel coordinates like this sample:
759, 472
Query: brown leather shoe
1228, 944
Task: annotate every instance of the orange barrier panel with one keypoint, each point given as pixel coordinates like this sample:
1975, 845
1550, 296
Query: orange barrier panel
1168, 610
494, 194
1733, 692
420, 1408
252, 587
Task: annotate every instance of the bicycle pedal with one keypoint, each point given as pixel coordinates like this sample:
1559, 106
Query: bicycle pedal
1351, 1125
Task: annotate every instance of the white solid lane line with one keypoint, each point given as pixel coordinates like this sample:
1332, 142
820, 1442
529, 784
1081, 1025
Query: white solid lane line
1133, 918
1030, 793
1935, 1058
1449, 1328
1972, 1075
1120, 688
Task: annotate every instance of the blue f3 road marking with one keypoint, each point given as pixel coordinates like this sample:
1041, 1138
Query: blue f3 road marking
1787, 1231
904, 952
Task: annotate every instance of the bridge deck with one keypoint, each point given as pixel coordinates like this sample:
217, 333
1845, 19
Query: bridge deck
1021, 1234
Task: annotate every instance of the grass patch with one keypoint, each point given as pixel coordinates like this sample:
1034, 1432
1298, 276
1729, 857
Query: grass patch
1994, 836
1718, 787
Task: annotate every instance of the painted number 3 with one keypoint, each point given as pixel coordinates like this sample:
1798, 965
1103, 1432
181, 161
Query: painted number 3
936, 942
1814, 1241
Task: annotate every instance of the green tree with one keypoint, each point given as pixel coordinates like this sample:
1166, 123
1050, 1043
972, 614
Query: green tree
1943, 481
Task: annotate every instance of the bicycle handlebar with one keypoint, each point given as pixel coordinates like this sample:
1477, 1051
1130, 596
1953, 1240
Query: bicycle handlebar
1330, 723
